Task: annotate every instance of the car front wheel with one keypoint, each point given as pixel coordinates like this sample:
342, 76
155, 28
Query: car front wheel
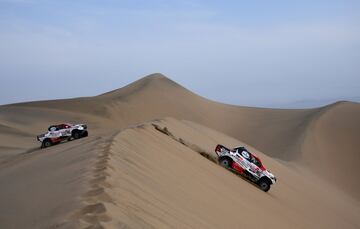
76, 135
85, 134
264, 185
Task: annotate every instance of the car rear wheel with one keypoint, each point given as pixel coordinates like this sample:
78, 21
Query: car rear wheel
225, 162
46, 143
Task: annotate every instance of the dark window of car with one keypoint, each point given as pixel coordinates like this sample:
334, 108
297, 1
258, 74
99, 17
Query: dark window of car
255, 161
53, 128
245, 155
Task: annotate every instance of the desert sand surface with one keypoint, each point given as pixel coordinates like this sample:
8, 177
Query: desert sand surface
128, 174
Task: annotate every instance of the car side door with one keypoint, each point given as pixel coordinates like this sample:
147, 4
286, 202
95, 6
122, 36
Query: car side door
54, 132
241, 160
254, 168
65, 131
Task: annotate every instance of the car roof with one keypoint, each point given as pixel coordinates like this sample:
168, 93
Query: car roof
243, 148
62, 124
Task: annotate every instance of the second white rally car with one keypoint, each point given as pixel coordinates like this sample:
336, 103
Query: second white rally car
62, 132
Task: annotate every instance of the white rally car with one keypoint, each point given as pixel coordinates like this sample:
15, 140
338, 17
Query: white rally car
241, 161
61, 132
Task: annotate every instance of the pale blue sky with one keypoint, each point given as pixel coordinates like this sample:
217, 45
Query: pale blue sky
257, 53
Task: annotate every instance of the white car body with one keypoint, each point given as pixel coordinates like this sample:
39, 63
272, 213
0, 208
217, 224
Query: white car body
241, 161
60, 132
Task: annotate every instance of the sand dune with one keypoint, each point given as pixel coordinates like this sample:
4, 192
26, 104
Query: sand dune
157, 182
41, 189
129, 174
331, 146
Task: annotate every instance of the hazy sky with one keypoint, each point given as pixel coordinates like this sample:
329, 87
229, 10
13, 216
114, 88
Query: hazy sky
258, 53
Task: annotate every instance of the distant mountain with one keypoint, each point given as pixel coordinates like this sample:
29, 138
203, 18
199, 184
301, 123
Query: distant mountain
313, 103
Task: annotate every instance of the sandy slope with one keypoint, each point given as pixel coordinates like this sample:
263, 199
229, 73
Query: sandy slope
332, 145
42, 188
157, 182
92, 178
